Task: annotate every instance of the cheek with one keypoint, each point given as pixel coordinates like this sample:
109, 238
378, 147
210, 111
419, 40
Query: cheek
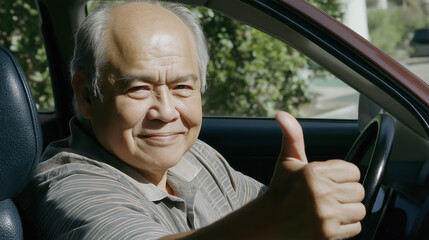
129, 112
191, 112
115, 122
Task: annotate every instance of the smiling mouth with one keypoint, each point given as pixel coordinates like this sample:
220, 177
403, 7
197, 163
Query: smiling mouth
161, 137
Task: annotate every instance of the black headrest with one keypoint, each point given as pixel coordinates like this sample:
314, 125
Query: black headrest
20, 133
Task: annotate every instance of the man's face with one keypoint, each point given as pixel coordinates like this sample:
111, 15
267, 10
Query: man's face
151, 109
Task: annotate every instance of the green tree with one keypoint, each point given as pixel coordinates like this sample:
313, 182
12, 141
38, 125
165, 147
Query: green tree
390, 28
251, 73
20, 33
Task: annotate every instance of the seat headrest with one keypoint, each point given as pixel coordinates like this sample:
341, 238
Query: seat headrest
20, 133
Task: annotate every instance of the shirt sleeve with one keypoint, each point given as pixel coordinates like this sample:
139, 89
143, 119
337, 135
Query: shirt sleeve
84, 201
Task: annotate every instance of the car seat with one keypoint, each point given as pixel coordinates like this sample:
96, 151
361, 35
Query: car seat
20, 142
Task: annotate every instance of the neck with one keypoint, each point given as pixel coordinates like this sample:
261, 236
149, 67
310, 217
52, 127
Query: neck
159, 179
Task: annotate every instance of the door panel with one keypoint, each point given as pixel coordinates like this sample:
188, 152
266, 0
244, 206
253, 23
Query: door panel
251, 145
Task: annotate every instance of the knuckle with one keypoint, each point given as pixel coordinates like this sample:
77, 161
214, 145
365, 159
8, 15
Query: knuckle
355, 230
328, 231
314, 169
327, 212
358, 228
360, 191
354, 171
322, 192
362, 211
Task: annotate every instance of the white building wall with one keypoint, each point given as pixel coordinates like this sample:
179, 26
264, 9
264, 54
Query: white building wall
382, 4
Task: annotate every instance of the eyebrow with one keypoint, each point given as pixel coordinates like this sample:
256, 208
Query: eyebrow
146, 78
128, 77
184, 78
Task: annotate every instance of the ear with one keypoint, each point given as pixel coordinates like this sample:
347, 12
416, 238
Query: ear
81, 94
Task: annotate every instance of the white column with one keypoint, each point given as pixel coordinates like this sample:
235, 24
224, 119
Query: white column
355, 16
382, 4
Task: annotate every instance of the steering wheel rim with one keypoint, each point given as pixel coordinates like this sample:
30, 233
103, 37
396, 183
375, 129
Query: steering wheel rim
380, 133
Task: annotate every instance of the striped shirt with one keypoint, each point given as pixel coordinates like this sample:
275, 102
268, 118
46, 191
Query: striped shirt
80, 191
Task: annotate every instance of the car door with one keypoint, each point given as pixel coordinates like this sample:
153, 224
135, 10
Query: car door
252, 145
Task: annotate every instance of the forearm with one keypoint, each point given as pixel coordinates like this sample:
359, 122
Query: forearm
181, 235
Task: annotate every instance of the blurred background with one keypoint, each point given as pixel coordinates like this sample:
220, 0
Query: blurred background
251, 73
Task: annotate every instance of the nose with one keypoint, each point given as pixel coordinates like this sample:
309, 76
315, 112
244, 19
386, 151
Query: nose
163, 107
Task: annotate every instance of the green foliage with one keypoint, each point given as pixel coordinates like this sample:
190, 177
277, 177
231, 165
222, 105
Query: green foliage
251, 73
331, 7
20, 33
390, 29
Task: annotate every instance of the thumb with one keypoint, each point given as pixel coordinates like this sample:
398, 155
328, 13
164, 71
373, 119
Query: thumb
293, 148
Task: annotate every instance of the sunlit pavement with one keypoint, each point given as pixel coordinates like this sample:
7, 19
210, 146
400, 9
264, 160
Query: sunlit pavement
420, 67
332, 99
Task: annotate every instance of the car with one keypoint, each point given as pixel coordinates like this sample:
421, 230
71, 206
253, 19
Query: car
419, 43
397, 99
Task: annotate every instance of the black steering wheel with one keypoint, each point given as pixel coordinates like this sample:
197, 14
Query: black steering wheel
378, 133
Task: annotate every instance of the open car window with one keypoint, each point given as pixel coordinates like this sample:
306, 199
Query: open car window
252, 74
247, 65
399, 28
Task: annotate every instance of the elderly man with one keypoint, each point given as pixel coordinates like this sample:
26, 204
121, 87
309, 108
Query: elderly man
133, 167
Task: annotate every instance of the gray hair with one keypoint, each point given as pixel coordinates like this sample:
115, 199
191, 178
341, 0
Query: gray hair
90, 45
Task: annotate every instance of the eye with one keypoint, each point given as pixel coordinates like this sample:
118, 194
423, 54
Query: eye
138, 88
183, 90
182, 86
141, 91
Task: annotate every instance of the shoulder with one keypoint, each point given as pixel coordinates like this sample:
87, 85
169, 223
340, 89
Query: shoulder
62, 159
208, 156
69, 173
73, 194
66, 176
69, 163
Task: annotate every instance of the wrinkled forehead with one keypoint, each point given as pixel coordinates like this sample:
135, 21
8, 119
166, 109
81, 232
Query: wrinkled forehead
143, 30
142, 14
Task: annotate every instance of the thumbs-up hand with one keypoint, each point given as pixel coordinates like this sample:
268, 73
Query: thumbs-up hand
318, 200
293, 148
